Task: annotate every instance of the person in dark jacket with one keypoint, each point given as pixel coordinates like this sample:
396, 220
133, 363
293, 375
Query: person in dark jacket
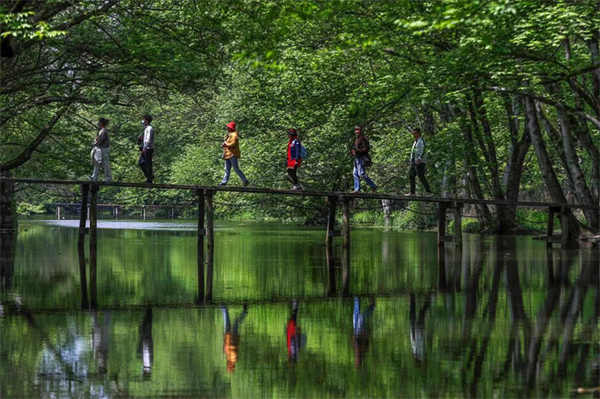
360, 151
293, 160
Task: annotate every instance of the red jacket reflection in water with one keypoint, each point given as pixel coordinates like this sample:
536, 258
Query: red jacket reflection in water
293, 334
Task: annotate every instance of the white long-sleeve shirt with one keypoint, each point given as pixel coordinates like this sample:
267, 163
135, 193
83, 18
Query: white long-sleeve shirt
148, 138
418, 152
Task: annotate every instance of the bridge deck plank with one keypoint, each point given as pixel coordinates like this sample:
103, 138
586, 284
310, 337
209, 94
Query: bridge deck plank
304, 193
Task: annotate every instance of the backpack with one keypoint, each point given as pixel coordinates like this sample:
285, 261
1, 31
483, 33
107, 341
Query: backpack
303, 153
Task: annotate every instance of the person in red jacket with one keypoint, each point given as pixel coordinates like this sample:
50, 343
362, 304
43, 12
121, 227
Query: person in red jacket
293, 334
293, 160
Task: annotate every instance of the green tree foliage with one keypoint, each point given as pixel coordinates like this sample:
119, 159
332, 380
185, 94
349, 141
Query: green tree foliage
459, 70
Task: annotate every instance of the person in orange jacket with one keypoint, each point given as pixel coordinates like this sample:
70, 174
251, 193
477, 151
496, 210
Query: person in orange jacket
231, 154
231, 336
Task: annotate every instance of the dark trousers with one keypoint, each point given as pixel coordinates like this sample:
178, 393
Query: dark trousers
147, 165
293, 174
418, 170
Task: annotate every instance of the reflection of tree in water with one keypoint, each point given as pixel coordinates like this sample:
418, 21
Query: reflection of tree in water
8, 244
146, 344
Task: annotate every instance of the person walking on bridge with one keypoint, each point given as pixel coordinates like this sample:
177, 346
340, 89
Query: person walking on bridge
231, 154
360, 151
418, 160
294, 159
147, 149
101, 151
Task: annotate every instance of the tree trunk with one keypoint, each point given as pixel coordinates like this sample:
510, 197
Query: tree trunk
8, 208
571, 159
514, 167
545, 164
474, 184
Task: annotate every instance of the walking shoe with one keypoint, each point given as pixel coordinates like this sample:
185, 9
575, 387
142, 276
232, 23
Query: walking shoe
428, 194
297, 187
355, 192
246, 183
222, 184
409, 195
373, 190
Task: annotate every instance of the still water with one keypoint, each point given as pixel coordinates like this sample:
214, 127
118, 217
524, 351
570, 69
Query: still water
503, 318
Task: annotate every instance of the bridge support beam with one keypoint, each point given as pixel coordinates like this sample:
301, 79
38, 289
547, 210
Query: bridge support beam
564, 226
346, 245
200, 244
331, 231
210, 242
442, 214
93, 244
81, 245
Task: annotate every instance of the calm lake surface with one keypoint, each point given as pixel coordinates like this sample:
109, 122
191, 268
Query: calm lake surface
504, 317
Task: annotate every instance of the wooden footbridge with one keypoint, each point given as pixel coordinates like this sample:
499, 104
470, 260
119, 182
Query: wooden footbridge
205, 202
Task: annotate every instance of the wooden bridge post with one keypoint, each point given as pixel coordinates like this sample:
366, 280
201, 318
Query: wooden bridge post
331, 232
331, 286
457, 208
550, 229
57, 212
81, 245
346, 245
200, 244
442, 208
210, 242
93, 243
564, 227
143, 212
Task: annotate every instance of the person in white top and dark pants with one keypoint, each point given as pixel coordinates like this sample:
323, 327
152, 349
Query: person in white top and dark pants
418, 160
147, 148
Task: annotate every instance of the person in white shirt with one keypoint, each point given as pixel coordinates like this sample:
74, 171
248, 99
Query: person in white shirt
147, 149
101, 152
418, 160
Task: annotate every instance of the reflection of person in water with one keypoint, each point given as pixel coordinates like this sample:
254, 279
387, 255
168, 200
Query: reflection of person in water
100, 336
146, 344
293, 334
362, 330
417, 329
231, 336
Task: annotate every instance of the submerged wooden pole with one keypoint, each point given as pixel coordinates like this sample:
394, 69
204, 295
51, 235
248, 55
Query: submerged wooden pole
210, 242
457, 224
81, 246
331, 221
331, 286
346, 245
200, 244
550, 229
564, 227
93, 244
442, 207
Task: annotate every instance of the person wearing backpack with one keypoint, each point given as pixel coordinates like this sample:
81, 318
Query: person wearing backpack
101, 152
418, 160
231, 154
360, 151
294, 158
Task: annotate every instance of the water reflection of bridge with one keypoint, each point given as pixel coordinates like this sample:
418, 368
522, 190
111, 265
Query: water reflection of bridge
479, 292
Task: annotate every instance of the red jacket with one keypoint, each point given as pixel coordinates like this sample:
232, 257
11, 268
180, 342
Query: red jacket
293, 154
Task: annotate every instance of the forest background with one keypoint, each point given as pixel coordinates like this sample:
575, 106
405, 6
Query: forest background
507, 93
